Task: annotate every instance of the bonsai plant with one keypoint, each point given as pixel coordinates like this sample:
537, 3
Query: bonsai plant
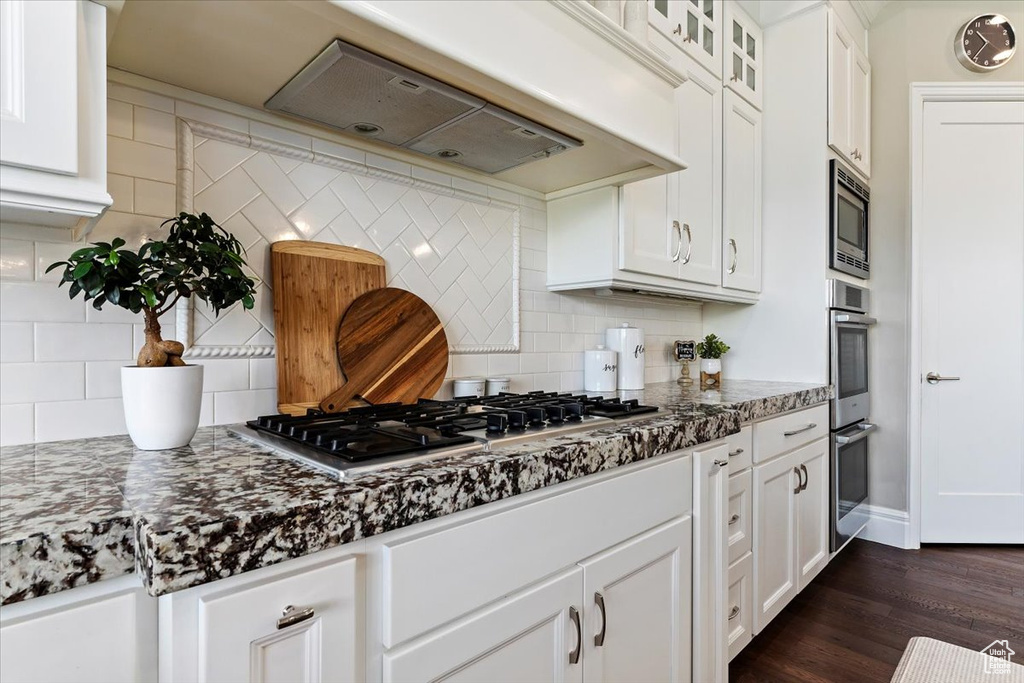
198, 258
711, 350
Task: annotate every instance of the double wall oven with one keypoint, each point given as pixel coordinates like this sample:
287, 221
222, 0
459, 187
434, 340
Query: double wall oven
850, 428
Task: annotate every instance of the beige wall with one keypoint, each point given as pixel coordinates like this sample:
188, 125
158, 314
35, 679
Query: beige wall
909, 42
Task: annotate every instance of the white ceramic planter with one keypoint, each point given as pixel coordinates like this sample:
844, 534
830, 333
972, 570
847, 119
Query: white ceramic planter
161, 405
710, 373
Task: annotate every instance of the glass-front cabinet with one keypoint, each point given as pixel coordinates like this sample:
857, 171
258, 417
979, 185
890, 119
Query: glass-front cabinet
693, 25
741, 68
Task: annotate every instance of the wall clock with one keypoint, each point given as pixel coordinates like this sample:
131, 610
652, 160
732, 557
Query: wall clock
985, 43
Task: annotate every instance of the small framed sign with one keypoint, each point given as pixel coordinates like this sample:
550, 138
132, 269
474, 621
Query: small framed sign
686, 350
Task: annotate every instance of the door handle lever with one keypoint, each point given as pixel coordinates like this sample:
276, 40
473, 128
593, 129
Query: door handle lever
935, 378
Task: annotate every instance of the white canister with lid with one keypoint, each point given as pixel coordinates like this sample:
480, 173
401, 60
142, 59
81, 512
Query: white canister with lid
629, 343
600, 369
469, 386
497, 385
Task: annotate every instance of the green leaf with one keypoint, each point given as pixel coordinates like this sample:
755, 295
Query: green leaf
149, 296
117, 243
82, 269
56, 265
82, 253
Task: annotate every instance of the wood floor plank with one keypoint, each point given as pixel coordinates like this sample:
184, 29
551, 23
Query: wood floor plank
859, 613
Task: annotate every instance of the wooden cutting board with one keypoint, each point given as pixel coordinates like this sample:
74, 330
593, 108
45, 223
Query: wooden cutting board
392, 348
314, 283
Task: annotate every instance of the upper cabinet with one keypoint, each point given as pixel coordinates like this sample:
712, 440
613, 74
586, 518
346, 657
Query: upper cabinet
743, 55
741, 211
694, 26
53, 113
849, 97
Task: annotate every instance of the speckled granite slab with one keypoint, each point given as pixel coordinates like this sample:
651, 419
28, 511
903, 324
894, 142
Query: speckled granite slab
80, 511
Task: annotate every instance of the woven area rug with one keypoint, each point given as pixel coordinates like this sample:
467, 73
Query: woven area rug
933, 661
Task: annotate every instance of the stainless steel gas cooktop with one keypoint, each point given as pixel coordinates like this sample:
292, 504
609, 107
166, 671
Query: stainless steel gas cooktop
368, 438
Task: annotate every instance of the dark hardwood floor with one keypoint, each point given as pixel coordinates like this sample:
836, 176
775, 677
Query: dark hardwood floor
854, 621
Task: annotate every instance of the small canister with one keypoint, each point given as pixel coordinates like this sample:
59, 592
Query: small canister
469, 386
629, 342
600, 369
496, 385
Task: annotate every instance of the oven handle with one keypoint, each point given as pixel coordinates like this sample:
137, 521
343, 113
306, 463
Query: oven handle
864, 429
855, 318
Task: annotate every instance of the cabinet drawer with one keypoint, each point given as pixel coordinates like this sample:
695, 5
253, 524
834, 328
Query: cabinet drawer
739, 516
741, 449
784, 433
424, 588
739, 604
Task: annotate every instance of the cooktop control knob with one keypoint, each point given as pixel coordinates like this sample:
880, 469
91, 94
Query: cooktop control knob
535, 416
556, 414
497, 423
516, 419
573, 411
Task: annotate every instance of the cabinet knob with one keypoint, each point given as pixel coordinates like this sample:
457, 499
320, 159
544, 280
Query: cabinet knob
734, 612
678, 30
292, 615
734, 519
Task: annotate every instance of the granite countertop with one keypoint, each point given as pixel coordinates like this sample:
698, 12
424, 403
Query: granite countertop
76, 512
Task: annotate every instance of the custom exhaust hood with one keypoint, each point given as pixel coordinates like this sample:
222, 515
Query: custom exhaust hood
363, 94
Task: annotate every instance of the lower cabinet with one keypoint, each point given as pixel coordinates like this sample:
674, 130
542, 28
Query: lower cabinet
791, 527
303, 624
622, 615
534, 635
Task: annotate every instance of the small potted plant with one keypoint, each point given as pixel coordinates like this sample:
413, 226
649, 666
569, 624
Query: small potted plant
161, 393
711, 351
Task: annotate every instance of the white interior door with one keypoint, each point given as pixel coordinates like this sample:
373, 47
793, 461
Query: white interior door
972, 322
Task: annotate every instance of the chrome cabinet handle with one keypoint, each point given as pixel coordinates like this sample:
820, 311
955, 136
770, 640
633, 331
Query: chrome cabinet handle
853, 154
689, 243
735, 256
678, 30
798, 489
292, 615
864, 428
679, 240
734, 612
574, 615
935, 378
803, 486
802, 429
735, 452
734, 519
722, 463
599, 638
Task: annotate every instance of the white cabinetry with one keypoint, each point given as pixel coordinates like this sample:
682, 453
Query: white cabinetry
53, 113
743, 48
741, 207
695, 26
299, 622
534, 635
104, 633
849, 97
791, 527
710, 547
739, 604
637, 607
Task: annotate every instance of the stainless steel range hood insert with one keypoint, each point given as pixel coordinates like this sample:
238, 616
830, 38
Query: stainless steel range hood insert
365, 95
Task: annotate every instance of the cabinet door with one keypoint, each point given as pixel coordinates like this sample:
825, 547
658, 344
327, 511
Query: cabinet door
840, 70
775, 572
739, 604
710, 565
637, 603
702, 33
243, 635
741, 206
650, 235
667, 17
812, 507
860, 97
742, 50
739, 514
529, 636
39, 97
699, 101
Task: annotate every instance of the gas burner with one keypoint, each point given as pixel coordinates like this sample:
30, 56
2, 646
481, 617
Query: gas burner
370, 437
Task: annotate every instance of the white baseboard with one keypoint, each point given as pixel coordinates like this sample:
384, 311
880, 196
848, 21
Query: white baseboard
888, 526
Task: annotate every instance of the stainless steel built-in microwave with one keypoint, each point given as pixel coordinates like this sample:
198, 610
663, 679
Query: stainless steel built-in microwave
848, 219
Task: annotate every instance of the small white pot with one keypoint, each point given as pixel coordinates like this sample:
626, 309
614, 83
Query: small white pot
161, 405
710, 373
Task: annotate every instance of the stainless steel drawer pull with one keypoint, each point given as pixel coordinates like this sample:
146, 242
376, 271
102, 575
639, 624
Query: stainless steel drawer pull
734, 612
679, 241
735, 452
292, 615
734, 519
803, 468
599, 638
574, 616
799, 481
802, 429
689, 243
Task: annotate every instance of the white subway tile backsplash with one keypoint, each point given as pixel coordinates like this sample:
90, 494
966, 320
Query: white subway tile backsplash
239, 406
140, 160
36, 382
103, 378
119, 119
263, 373
38, 302
48, 253
16, 260
123, 93
16, 344
83, 341
155, 127
17, 424
154, 199
122, 191
258, 129
187, 110
60, 420
225, 374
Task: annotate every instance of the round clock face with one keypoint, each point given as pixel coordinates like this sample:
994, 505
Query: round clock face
986, 42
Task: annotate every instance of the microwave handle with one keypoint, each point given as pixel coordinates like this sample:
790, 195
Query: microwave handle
855, 318
864, 428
